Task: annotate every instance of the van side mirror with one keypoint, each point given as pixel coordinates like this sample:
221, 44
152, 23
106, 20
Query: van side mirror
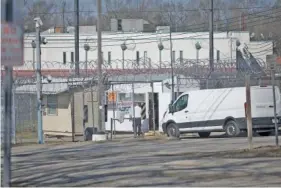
171, 110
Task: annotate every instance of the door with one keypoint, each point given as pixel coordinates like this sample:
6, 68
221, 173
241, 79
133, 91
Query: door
262, 102
180, 108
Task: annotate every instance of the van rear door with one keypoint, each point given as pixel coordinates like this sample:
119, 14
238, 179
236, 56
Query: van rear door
262, 101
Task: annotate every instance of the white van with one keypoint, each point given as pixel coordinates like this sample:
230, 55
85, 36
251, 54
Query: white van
214, 110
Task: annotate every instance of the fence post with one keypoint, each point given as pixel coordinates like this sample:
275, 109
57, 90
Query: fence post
13, 116
249, 111
111, 129
133, 106
113, 109
153, 109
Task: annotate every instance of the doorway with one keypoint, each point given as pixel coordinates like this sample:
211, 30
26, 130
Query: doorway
150, 112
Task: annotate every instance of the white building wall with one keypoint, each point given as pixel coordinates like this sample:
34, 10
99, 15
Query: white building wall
59, 43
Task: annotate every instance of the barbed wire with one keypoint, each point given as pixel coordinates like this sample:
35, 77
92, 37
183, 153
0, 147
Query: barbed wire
141, 71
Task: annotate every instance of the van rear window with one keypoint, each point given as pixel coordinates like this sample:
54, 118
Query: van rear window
265, 95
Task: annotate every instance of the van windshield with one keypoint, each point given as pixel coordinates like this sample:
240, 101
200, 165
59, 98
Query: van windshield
181, 103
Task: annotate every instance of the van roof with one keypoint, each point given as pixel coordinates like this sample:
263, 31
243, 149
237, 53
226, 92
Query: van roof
238, 88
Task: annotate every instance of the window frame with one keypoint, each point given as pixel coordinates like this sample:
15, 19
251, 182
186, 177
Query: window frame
174, 105
109, 57
181, 56
51, 104
173, 56
72, 57
138, 57
64, 57
119, 25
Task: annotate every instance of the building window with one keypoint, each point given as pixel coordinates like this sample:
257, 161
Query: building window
145, 54
218, 55
101, 56
72, 57
138, 57
109, 58
173, 56
181, 56
119, 25
85, 110
52, 105
64, 57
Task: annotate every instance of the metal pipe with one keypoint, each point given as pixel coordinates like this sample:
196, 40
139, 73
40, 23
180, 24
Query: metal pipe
178, 86
39, 85
33, 58
100, 80
153, 107
113, 109
8, 111
84, 121
249, 112
123, 59
76, 20
133, 106
171, 56
111, 128
197, 57
211, 35
274, 104
14, 115
7, 127
92, 105
160, 58
73, 117
86, 63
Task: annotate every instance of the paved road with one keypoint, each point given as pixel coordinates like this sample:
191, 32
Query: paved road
130, 162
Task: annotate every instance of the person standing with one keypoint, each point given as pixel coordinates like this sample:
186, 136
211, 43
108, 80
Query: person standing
137, 118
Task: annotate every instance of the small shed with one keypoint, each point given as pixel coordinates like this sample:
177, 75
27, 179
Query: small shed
69, 106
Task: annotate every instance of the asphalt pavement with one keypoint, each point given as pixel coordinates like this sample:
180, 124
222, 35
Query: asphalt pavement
191, 161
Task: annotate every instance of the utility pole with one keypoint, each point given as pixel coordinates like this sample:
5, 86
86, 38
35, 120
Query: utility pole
211, 35
171, 56
38, 23
76, 18
63, 14
100, 80
8, 110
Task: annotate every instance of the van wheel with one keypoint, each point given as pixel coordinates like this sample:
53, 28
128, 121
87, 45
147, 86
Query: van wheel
204, 134
264, 133
232, 129
173, 130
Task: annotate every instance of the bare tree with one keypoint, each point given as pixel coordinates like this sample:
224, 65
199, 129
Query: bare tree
41, 8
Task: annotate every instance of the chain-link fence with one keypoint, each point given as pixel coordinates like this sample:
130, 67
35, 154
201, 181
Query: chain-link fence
59, 80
